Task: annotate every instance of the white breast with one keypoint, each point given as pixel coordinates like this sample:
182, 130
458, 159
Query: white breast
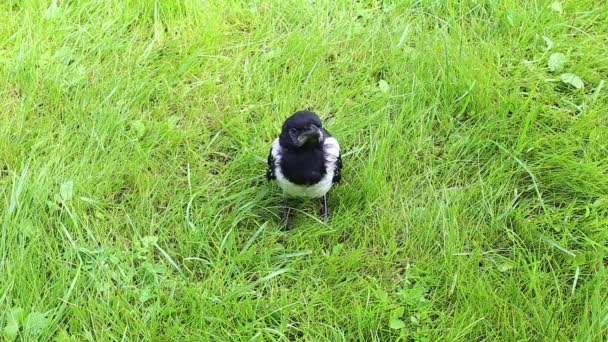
331, 148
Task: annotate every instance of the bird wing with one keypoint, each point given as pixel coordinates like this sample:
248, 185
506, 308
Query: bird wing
334, 147
270, 170
338, 171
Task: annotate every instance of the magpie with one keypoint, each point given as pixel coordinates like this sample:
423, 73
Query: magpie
305, 161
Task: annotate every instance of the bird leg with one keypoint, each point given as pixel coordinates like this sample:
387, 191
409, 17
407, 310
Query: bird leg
324, 213
286, 217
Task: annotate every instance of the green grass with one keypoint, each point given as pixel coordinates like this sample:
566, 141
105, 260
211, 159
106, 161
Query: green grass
133, 139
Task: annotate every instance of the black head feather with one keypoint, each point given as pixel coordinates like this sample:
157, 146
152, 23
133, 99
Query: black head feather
302, 130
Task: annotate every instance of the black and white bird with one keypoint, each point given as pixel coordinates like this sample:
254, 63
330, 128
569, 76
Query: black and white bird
305, 161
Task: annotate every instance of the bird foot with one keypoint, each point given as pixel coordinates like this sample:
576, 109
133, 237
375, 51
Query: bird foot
286, 218
324, 212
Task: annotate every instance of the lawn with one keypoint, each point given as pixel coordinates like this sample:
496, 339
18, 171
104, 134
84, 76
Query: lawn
133, 145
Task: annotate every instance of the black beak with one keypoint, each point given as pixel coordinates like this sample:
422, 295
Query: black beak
313, 135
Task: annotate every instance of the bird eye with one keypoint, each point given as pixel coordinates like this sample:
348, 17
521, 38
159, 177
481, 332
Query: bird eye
293, 130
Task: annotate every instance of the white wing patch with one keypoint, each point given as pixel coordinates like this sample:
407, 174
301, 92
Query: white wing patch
331, 149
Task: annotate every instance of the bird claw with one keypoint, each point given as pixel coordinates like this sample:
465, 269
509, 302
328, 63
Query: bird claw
287, 217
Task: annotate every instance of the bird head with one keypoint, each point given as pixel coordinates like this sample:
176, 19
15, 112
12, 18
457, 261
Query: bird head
302, 130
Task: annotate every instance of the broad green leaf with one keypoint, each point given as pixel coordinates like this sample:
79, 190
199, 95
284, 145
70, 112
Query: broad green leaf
579, 259
573, 80
414, 295
10, 332
28, 229
139, 128
35, 322
66, 191
396, 323
63, 336
52, 11
398, 312
384, 87
556, 61
144, 295
549, 43
149, 240
557, 7
505, 266
13, 320
600, 202
335, 251
173, 121
64, 55
514, 18
15, 316
154, 268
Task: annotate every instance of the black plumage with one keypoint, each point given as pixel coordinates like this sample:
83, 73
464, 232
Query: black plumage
305, 160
